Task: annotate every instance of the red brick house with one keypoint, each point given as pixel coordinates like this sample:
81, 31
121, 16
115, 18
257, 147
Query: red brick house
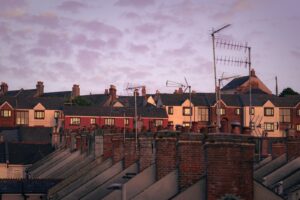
76, 117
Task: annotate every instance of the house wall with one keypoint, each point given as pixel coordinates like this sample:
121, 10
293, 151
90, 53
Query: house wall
7, 121
260, 118
48, 121
296, 118
12, 171
177, 117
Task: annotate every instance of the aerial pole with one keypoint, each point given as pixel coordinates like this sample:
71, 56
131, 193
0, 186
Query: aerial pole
215, 76
250, 89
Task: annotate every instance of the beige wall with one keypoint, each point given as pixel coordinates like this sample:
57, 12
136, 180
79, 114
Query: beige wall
12, 171
48, 121
260, 118
178, 118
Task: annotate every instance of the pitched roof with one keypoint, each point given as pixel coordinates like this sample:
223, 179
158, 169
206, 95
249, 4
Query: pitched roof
54, 103
173, 99
96, 99
233, 84
20, 153
28, 186
62, 94
288, 101
256, 100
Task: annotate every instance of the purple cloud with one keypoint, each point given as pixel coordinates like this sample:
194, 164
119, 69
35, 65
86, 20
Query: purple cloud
81, 39
131, 15
55, 43
11, 4
71, 6
87, 58
39, 52
148, 28
135, 3
185, 50
295, 53
100, 28
138, 48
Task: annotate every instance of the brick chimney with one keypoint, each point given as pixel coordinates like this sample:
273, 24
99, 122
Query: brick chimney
229, 161
166, 151
144, 93
106, 91
118, 148
113, 92
146, 151
252, 73
75, 91
107, 145
130, 153
293, 148
39, 88
3, 88
180, 90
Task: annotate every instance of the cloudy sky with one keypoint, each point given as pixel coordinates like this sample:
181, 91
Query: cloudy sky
144, 42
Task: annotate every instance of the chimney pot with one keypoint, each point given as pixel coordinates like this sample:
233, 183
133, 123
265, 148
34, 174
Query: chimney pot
144, 91
113, 92
3, 88
75, 91
252, 73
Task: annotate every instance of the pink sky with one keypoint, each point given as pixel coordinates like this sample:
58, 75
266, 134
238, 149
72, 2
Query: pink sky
143, 42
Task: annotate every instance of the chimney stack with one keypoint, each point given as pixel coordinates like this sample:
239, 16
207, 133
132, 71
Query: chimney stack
39, 88
136, 92
144, 91
252, 73
3, 88
113, 92
106, 91
180, 90
75, 91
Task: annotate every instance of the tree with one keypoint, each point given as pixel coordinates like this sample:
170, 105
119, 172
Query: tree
288, 92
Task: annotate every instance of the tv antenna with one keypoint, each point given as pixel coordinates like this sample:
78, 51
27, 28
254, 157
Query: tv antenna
135, 90
186, 87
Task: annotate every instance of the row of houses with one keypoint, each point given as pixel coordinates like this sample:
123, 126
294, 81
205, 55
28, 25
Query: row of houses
265, 114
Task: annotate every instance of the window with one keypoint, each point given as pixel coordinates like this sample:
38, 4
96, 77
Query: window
56, 114
237, 111
5, 113
298, 127
187, 111
93, 120
252, 111
252, 125
170, 123
269, 111
22, 118
221, 111
186, 124
203, 114
75, 121
170, 110
109, 121
298, 112
39, 114
126, 122
158, 122
284, 115
269, 126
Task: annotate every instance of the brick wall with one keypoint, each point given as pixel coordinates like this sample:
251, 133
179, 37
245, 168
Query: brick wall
229, 168
146, 151
107, 145
166, 161
191, 161
130, 153
293, 148
278, 149
117, 148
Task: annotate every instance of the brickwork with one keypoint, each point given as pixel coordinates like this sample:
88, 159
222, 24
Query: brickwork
84, 143
293, 148
78, 142
229, 169
264, 146
130, 153
117, 148
146, 152
278, 149
107, 146
165, 155
191, 161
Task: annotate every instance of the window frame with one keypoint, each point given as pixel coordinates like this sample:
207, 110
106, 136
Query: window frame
6, 113
158, 122
266, 110
298, 127
56, 114
109, 121
203, 114
126, 121
93, 121
186, 124
75, 121
170, 110
271, 128
187, 108
284, 118
298, 112
237, 111
252, 111
22, 118
222, 111
39, 114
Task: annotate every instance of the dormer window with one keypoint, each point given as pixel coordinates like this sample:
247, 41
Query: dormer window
39, 114
269, 111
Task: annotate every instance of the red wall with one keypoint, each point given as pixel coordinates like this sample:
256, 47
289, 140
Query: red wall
7, 121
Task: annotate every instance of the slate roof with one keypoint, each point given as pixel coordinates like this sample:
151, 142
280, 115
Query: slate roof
288, 101
173, 99
129, 101
115, 111
233, 84
22, 93
20, 153
28, 186
96, 99
62, 94
257, 99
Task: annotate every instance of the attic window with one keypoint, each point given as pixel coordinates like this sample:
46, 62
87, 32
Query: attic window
39, 114
269, 111
187, 111
5, 113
